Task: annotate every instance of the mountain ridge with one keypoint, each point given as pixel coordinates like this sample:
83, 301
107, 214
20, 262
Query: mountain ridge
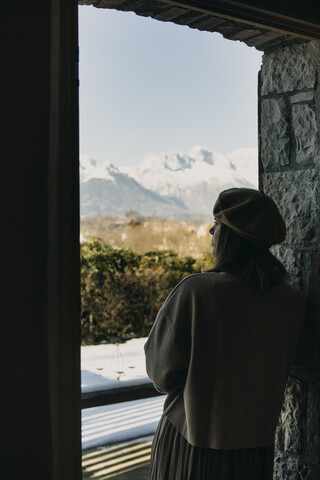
173, 185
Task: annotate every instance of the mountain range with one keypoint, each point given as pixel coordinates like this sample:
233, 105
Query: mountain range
170, 185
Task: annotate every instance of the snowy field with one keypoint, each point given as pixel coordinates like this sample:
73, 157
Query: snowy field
110, 366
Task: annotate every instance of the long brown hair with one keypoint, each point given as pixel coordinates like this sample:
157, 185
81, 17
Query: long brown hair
256, 266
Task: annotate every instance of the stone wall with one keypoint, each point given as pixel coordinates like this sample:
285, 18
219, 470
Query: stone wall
289, 145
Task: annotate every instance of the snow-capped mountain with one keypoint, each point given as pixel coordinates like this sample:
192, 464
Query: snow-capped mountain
90, 168
169, 184
105, 190
197, 177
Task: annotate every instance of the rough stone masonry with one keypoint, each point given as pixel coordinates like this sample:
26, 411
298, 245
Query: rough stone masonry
289, 158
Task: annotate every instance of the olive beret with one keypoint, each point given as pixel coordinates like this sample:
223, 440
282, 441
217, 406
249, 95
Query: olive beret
251, 214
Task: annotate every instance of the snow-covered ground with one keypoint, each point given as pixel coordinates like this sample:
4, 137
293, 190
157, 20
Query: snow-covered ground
120, 422
113, 365
110, 366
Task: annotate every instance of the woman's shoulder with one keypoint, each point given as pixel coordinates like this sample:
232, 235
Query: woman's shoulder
196, 280
196, 283
192, 291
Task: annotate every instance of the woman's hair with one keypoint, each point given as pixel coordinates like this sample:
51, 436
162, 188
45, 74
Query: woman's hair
256, 266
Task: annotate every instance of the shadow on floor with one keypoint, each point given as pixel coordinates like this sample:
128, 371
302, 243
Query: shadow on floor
125, 461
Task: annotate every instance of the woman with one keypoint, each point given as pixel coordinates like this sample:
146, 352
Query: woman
221, 348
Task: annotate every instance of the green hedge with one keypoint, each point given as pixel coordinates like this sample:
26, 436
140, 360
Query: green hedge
121, 291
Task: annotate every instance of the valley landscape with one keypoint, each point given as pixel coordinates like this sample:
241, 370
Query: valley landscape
142, 233
164, 203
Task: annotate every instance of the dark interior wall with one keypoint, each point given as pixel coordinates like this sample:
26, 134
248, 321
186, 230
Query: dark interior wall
40, 415
24, 145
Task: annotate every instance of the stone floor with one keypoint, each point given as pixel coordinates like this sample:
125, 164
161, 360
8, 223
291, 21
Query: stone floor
125, 461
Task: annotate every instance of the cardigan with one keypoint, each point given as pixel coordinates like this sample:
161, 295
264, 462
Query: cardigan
222, 354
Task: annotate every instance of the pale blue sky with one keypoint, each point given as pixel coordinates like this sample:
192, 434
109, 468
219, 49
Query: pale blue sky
150, 87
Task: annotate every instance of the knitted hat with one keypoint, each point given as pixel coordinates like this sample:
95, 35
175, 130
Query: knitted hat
252, 215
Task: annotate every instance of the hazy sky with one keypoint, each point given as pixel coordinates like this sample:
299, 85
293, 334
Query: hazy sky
149, 87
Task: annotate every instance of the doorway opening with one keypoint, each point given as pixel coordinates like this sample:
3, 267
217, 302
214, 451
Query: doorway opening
168, 119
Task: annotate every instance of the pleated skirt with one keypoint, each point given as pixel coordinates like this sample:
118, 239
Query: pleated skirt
173, 458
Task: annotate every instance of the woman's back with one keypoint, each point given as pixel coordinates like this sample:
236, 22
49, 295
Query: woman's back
231, 349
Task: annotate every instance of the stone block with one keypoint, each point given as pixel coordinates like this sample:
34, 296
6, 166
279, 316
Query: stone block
289, 68
302, 97
313, 424
289, 429
293, 469
275, 145
293, 260
305, 132
297, 195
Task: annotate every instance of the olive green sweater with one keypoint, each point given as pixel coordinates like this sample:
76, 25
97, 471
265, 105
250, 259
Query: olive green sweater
222, 353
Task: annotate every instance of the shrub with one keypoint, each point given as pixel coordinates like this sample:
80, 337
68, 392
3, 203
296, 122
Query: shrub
121, 291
